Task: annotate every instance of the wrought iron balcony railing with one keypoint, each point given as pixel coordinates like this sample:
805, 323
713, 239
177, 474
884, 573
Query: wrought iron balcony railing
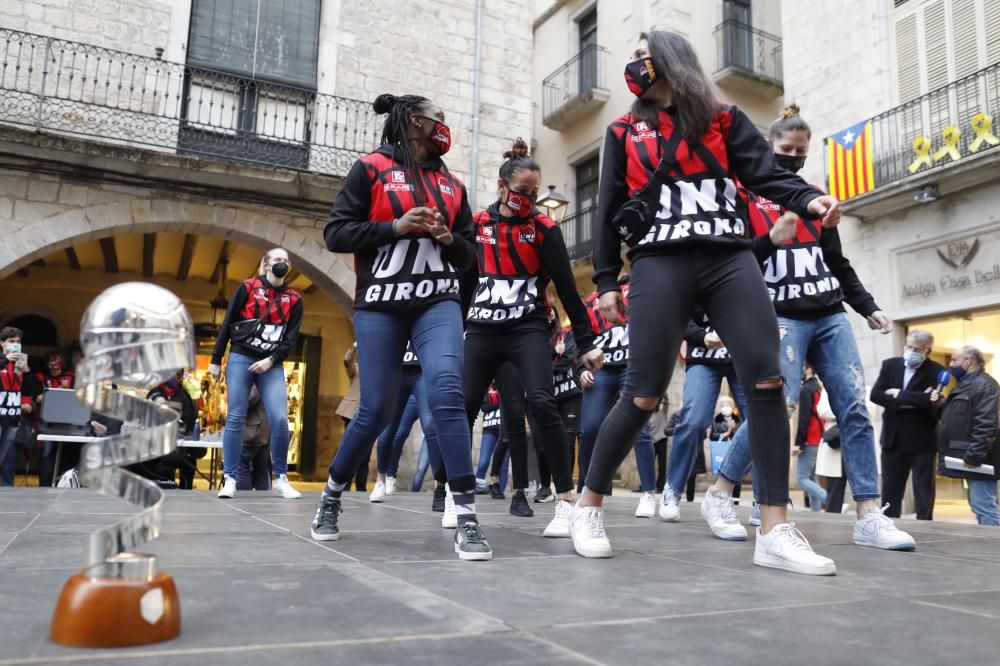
577, 231
945, 126
83, 90
746, 49
576, 81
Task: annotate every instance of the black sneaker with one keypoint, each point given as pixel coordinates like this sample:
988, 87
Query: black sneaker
544, 495
438, 504
519, 505
470, 542
324, 525
495, 492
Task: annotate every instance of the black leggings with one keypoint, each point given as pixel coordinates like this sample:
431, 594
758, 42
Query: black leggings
527, 349
512, 434
663, 291
569, 410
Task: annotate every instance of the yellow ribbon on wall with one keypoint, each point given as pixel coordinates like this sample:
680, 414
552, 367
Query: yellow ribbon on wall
922, 149
951, 135
982, 124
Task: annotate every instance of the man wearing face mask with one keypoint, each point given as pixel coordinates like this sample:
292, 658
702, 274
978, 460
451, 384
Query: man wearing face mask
260, 329
904, 388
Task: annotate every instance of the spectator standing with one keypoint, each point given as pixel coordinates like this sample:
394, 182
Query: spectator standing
969, 429
903, 388
808, 438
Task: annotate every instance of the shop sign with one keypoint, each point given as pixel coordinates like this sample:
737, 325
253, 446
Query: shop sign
957, 268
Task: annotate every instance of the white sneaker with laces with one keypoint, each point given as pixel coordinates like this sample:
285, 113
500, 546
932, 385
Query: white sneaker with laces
784, 547
876, 530
379, 493
647, 506
669, 509
449, 520
587, 530
228, 489
390, 485
720, 514
558, 528
282, 487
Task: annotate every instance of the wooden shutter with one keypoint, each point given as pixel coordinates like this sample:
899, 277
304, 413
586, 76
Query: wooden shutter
991, 15
965, 37
936, 47
908, 79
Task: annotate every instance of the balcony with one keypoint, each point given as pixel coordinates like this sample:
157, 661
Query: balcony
68, 88
946, 137
749, 59
575, 89
577, 231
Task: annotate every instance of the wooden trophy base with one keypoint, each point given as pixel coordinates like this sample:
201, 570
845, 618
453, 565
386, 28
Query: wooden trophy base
116, 612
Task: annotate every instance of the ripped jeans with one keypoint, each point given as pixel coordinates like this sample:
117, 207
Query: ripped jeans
828, 345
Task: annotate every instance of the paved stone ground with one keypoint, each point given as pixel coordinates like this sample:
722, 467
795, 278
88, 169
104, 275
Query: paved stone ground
256, 590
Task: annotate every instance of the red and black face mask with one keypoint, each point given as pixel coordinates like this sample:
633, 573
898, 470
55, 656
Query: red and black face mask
440, 136
640, 76
520, 205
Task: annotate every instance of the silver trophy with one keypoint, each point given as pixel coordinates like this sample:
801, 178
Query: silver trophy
134, 335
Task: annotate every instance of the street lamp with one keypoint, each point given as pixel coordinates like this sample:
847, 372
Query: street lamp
927, 194
553, 201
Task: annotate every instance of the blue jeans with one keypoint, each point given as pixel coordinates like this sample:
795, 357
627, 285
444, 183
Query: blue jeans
701, 392
983, 500
423, 462
597, 402
436, 334
273, 394
411, 404
8, 455
829, 346
486, 446
805, 468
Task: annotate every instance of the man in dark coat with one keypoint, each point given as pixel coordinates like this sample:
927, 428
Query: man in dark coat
904, 389
970, 423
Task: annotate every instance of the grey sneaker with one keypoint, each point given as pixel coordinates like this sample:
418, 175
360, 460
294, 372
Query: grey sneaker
324, 525
470, 542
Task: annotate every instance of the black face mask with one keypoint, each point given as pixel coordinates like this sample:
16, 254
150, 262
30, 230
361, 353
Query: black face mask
279, 270
793, 163
640, 76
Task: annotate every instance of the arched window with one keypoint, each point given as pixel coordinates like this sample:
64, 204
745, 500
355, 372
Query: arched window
39, 331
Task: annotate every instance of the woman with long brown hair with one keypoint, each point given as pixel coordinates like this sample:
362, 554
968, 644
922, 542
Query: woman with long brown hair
668, 189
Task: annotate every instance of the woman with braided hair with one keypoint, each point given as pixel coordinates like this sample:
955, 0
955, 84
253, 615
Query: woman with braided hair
407, 221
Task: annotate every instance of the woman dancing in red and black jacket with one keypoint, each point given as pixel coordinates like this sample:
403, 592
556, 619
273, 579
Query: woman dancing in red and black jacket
669, 190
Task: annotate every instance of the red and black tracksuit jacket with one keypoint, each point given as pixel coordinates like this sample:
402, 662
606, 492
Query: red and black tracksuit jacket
808, 276
565, 369
491, 410
16, 389
406, 272
698, 202
612, 337
697, 352
810, 432
280, 312
47, 381
517, 258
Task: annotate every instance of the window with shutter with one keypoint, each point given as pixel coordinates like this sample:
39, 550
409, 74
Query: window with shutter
935, 45
965, 37
991, 25
908, 79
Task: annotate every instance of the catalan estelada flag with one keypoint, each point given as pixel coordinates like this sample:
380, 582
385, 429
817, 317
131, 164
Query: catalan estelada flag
849, 161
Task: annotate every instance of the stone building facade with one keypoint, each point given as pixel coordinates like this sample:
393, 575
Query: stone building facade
74, 178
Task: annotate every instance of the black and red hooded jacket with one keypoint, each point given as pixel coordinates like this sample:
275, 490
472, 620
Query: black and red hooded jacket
406, 272
697, 352
517, 259
491, 410
612, 337
699, 202
16, 389
808, 277
565, 369
280, 312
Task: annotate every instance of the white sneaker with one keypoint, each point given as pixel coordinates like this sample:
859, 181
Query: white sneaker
282, 487
558, 528
449, 520
228, 489
721, 516
785, 548
379, 493
755, 515
647, 506
587, 530
669, 511
875, 529
390, 485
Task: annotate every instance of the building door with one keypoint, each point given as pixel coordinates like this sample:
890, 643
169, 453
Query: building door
587, 59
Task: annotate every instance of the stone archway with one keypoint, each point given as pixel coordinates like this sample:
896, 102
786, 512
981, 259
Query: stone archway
28, 240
